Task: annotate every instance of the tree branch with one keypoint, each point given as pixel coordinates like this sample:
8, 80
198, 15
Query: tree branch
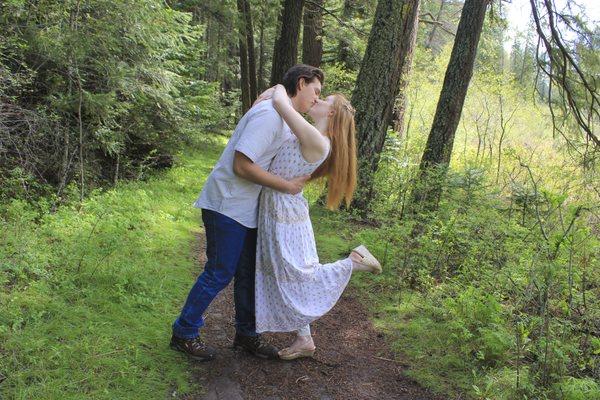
433, 21
344, 24
561, 59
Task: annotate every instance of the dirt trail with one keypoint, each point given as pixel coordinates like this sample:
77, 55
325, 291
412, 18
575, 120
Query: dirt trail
353, 360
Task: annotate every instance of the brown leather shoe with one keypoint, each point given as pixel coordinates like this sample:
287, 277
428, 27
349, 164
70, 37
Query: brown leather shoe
195, 348
256, 345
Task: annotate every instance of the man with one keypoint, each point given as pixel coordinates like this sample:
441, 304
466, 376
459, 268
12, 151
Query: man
229, 203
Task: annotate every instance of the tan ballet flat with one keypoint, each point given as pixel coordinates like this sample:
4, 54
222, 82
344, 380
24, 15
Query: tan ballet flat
287, 354
368, 259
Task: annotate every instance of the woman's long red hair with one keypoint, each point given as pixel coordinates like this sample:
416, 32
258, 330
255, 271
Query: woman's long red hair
340, 167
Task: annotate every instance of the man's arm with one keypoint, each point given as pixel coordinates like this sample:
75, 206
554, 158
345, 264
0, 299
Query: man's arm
245, 168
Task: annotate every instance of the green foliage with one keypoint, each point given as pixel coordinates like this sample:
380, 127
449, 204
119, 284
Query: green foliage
346, 33
494, 299
485, 296
88, 293
339, 80
578, 389
493, 296
100, 88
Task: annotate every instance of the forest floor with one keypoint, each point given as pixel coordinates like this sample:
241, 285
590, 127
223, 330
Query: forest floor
353, 360
97, 324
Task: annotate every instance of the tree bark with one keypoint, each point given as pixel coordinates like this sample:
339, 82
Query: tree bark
212, 50
312, 35
247, 59
377, 86
251, 52
244, 74
438, 149
400, 107
262, 83
285, 52
226, 58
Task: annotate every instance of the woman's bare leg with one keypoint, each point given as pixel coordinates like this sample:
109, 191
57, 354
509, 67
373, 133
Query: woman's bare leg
303, 345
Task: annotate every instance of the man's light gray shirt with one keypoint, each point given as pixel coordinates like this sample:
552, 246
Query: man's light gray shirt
259, 135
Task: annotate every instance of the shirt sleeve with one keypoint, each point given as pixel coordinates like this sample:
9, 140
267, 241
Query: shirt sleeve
259, 133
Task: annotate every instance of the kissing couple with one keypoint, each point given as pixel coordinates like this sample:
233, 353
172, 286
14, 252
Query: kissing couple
257, 223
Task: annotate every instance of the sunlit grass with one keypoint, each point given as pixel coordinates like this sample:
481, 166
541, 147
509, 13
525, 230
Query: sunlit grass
92, 318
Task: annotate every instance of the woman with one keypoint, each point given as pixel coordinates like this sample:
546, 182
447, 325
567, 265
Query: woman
292, 287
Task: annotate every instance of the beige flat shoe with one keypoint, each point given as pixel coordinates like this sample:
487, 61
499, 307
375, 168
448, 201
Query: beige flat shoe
287, 354
368, 259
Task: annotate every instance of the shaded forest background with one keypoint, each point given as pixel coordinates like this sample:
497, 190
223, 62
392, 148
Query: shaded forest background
479, 183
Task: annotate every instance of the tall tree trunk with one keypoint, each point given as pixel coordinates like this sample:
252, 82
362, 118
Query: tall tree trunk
244, 74
247, 59
285, 52
438, 149
377, 86
262, 83
400, 106
312, 39
212, 50
251, 52
227, 56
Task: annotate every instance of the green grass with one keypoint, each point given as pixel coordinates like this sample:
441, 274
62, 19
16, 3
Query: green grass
454, 334
89, 293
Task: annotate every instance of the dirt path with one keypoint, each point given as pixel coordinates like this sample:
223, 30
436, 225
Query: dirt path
352, 361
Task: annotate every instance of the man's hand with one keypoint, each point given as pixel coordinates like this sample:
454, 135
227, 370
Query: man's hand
246, 169
297, 184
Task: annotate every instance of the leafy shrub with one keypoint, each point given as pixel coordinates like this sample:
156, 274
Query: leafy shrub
577, 389
98, 91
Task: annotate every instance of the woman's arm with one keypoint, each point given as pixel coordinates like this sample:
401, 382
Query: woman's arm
313, 144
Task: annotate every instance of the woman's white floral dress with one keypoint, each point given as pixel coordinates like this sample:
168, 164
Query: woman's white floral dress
292, 287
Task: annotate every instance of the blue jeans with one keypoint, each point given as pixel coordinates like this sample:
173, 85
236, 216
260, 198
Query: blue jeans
230, 252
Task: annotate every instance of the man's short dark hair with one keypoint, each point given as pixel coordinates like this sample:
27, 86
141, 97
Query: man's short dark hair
298, 71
